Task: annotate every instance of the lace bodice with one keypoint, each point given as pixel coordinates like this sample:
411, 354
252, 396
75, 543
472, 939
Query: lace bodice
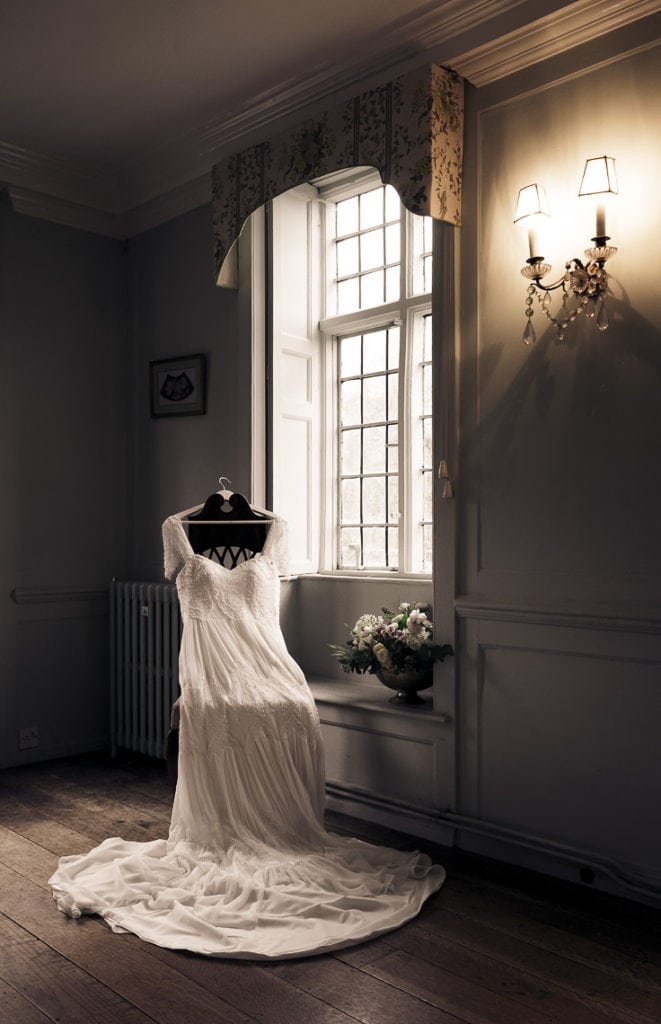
207, 589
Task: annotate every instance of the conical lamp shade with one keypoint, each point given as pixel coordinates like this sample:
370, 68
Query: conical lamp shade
598, 177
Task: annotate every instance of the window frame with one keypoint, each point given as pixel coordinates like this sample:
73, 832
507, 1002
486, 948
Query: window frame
408, 311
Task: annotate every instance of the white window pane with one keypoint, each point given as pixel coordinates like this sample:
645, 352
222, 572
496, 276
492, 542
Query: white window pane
350, 356
426, 274
426, 388
374, 352
374, 399
374, 450
374, 547
393, 548
371, 208
371, 250
421, 255
350, 452
392, 284
393, 389
426, 442
427, 551
347, 216
426, 338
374, 499
392, 243
393, 499
371, 290
350, 402
393, 348
393, 451
426, 234
347, 257
427, 496
393, 204
347, 295
349, 549
350, 501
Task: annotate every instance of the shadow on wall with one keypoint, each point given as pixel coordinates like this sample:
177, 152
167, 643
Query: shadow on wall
560, 474
598, 369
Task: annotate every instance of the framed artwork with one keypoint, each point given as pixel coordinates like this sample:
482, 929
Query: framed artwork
177, 387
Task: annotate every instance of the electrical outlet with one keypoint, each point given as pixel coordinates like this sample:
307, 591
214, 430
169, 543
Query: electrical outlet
28, 737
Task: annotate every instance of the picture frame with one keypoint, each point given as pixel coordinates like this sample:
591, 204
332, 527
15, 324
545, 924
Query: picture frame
177, 387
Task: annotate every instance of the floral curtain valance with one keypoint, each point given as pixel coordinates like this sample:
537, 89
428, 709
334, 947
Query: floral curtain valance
411, 130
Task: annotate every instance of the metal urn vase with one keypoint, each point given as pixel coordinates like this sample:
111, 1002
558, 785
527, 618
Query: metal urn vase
407, 684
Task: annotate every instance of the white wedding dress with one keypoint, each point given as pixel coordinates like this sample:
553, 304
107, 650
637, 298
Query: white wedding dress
248, 869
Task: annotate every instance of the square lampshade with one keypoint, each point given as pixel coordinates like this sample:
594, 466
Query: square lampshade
532, 203
598, 177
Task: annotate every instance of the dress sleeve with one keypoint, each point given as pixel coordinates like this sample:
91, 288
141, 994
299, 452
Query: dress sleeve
276, 545
176, 548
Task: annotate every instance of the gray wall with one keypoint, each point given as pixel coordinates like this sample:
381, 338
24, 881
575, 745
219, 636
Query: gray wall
176, 309
64, 470
88, 475
559, 482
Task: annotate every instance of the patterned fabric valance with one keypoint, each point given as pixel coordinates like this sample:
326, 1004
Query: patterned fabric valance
411, 130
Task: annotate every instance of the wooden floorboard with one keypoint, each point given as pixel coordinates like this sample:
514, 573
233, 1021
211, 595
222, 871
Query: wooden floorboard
15, 1007
495, 946
56, 986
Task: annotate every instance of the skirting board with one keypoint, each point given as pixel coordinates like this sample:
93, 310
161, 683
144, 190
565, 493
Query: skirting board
397, 816
534, 853
547, 862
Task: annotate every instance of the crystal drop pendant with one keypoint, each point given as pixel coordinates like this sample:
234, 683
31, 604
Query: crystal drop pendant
529, 336
602, 318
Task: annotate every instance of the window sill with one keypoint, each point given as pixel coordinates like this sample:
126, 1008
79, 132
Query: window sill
361, 694
367, 576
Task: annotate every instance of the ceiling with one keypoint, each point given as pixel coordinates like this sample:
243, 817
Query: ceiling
112, 105
112, 82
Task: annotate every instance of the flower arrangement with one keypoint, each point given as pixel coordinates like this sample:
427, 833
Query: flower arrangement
397, 642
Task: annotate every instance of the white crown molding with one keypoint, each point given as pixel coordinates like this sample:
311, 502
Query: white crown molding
181, 199
176, 178
548, 37
62, 211
64, 179
140, 218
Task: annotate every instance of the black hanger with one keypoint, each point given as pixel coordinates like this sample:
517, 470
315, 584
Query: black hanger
230, 530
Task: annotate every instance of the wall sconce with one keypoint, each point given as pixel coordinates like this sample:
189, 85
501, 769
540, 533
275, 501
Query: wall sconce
584, 284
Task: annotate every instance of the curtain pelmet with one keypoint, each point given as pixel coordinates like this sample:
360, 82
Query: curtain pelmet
410, 129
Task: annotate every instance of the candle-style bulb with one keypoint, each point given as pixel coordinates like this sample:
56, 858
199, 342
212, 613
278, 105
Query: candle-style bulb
532, 204
599, 179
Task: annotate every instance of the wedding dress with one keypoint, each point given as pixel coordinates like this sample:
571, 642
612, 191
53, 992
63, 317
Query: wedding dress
247, 870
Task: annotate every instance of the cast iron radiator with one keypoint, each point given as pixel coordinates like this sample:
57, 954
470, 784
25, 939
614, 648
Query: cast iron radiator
145, 631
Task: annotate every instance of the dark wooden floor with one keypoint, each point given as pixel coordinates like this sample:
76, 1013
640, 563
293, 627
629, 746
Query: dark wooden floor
494, 946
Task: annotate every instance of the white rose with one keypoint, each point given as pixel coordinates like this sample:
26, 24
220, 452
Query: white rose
382, 655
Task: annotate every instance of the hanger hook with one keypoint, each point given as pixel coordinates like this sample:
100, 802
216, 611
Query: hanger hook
226, 479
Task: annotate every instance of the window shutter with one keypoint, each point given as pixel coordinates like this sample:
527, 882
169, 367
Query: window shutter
295, 371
